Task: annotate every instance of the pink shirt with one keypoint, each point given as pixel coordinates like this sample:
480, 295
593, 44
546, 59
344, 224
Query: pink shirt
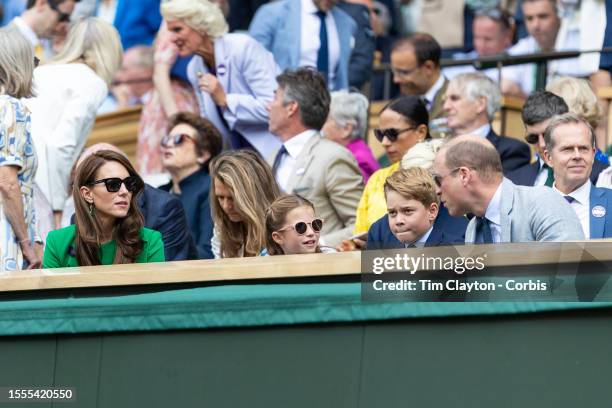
365, 158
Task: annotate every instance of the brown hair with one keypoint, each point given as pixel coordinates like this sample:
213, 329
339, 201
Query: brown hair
253, 186
478, 155
126, 232
208, 138
276, 215
414, 183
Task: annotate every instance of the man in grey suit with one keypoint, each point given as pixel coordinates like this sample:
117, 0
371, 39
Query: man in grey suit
469, 179
318, 169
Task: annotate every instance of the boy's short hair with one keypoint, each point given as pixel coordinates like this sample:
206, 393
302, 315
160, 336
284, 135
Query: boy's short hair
414, 183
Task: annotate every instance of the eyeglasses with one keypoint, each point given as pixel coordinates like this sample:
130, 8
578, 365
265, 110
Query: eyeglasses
391, 133
177, 139
438, 178
533, 138
113, 184
63, 17
497, 14
302, 227
403, 72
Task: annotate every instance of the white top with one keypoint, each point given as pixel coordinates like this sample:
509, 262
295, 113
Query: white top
581, 205
294, 147
493, 214
452, 72
310, 43
63, 113
26, 31
431, 94
542, 174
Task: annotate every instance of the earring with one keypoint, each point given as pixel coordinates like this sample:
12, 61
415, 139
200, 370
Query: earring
91, 210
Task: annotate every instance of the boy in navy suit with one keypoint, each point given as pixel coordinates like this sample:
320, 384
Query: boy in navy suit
414, 215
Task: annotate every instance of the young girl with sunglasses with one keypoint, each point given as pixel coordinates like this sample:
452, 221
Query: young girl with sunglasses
109, 225
292, 227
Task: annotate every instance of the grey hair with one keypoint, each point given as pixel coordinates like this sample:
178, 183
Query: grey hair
477, 85
16, 64
565, 119
350, 108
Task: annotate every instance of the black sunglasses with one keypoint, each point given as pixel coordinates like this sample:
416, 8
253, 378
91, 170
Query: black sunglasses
438, 178
113, 184
63, 17
532, 138
302, 227
392, 134
177, 139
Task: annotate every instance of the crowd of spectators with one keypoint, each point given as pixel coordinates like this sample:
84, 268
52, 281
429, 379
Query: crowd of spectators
253, 136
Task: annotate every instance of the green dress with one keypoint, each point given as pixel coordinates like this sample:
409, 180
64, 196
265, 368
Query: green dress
60, 253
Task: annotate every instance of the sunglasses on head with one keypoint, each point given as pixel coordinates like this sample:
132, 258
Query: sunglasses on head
113, 184
177, 139
302, 227
532, 138
63, 17
392, 134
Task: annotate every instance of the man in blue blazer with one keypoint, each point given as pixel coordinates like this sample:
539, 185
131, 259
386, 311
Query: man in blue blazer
570, 151
288, 29
415, 217
471, 102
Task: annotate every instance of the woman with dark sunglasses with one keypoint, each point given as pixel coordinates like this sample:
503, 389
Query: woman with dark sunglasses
402, 124
109, 225
292, 227
188, 147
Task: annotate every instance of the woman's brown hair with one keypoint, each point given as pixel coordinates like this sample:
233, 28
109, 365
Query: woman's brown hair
276, 216
253, 186
208, 138
126, 232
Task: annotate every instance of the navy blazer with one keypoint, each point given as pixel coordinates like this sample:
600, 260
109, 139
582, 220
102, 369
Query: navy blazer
513, 153
526, 175
164, 212
194, 197
447, 230
362, 57
600, 224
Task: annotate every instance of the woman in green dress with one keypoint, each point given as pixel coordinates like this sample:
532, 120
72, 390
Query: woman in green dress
109, 225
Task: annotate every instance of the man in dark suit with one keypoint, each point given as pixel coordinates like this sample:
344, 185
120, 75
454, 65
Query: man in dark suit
414, 218
570, 152
539, 109
470, 103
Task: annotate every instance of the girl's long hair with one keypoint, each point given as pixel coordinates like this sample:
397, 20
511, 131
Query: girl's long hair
126, 232
253, 186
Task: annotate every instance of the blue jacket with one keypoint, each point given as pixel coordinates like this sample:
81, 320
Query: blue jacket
194, 197
601, 225
137, 21
447, 230
277, 26
513, 153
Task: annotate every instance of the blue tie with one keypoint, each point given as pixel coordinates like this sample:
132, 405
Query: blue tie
277, 160
323, 53
483, 230
569, 199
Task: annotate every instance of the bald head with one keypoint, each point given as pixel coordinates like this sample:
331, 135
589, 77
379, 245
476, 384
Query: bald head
474, 152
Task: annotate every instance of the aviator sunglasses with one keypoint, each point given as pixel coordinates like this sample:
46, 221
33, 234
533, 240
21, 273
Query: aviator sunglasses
177, 139
392, 134
113, 184
302, 227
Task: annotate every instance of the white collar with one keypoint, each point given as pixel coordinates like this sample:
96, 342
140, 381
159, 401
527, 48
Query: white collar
493, 213
582, 194
431, 94
482, 131
27, 31
296, 144
308, 7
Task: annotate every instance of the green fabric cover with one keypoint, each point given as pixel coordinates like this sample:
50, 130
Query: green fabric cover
235, 306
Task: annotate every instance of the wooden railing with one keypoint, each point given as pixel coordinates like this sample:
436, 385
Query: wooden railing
119, 128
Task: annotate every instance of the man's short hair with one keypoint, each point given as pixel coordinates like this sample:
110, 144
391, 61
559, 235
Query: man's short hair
476, 85
55, 3
306, 87
541, 106
426, 48
476, 155
565, 119
414, 183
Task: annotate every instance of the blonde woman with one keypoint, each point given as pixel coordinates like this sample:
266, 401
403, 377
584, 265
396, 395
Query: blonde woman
19, 242
242, 188
233, 75
69, 90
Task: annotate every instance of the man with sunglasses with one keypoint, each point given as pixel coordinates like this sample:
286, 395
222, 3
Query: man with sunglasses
538, 111
469, 179
41, 20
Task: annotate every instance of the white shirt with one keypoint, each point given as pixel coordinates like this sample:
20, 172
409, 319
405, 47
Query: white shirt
26, 31
420, 243
482, 131
493, 214
310, 43
431, 94
542, 174
452, 72
294, 147
581, 205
